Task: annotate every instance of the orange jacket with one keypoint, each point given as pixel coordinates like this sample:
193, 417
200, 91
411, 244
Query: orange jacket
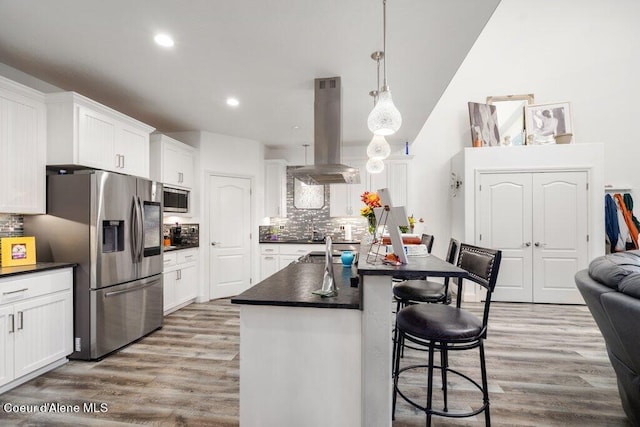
628, 219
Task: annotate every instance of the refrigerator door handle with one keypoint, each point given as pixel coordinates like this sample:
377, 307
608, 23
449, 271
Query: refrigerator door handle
140, 229
134, 289
134, 231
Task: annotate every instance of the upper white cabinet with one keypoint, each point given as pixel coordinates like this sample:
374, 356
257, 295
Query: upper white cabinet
23, 147
345, 198
275, 188
82, 132
172, 162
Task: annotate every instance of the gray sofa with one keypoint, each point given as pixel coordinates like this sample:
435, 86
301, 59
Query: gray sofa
611, 289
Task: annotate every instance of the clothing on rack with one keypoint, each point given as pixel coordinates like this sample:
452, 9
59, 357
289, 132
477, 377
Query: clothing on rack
620, 223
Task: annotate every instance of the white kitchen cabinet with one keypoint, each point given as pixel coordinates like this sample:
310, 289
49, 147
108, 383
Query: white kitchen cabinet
82, 132
172, 162
276, 256
269, 260
36, 320
180, 278
395, 177
275, 191
23, 147
344, 200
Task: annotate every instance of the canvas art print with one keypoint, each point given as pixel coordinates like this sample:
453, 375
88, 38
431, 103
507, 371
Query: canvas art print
18, 251
548, 119
484, 125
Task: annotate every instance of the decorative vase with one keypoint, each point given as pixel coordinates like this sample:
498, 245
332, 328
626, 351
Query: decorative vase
372, 224
347, 258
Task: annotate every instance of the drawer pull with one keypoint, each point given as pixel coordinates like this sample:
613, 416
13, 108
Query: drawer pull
15, 292
20, 320
188, 256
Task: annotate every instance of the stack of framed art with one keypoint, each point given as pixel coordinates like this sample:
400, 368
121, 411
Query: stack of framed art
516, 120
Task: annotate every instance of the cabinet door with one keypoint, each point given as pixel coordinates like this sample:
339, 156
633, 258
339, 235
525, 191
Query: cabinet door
187, 284
268, 265
169, 299
7, 332
97, 135
171, 165
395, 177
503, 218
133, 146
560, 235
345, 198
44, 330
285, 260
23, 154
275, 192
186, 169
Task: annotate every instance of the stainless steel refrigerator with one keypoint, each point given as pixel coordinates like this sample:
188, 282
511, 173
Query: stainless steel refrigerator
111, 226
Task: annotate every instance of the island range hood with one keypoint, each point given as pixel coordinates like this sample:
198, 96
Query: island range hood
327, 168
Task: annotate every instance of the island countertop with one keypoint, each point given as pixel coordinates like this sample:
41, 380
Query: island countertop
293, 287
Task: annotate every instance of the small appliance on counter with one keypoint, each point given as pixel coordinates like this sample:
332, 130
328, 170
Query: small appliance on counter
176, 235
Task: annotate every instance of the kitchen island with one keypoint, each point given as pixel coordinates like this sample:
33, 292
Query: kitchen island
307, 360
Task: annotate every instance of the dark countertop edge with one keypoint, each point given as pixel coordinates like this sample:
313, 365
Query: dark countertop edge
328, 304
33, 268
308, 242
177, 248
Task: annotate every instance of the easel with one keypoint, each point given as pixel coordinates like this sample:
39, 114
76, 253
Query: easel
390, 217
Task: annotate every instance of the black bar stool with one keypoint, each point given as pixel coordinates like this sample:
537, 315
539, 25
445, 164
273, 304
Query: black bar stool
449, 328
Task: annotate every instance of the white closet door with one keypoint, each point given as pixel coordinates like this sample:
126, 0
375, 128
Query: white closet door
559, 234
504, 222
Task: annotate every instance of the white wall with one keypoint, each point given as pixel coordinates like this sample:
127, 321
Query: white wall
582, 51
225, 155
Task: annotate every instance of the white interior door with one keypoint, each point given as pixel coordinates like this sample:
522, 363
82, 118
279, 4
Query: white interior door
504, 222
229, 235
559, 234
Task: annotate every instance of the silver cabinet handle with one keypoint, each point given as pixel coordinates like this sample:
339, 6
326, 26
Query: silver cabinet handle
15, 292
527, 244
117, 160
20, 320
269, 257
188, 256
11, 322
122, 157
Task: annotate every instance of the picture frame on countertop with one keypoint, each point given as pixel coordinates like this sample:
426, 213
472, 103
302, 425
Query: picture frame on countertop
544, 121
17, 251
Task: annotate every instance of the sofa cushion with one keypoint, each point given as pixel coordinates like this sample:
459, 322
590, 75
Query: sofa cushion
630, 285
611, 270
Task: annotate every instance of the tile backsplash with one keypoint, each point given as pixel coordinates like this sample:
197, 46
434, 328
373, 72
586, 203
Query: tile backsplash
300, 223
11, 225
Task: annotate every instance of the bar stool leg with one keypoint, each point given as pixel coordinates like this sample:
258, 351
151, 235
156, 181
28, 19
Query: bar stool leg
485, 387
444, 363
396, 369
430, 383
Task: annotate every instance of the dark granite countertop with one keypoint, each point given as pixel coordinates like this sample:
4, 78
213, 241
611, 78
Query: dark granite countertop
178, 247
418, 267
33, 268
292, 286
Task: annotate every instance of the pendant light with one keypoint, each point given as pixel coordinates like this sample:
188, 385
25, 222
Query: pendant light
384, 119
378, 147
375, 165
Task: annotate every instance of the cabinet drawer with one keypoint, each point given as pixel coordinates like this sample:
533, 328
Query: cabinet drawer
269, 249
292, 249
169, 259
31, 285
187, 255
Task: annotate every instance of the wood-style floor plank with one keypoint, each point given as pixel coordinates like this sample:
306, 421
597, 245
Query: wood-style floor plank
547, 366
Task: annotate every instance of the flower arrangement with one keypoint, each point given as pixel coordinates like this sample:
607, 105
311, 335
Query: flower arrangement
371, 200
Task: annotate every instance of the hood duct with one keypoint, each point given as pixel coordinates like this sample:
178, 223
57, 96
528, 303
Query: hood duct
327, 168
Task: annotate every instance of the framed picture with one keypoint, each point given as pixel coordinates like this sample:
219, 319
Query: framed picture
510, 111
484, 125
18, 251
548, 119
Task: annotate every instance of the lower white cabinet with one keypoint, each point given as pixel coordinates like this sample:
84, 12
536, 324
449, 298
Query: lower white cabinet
180, 279
36, 320
274, 257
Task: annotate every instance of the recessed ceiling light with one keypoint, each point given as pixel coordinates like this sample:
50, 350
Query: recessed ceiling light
163, 40
233, 102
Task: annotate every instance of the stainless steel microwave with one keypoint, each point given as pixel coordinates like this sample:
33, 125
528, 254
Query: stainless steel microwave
176, 200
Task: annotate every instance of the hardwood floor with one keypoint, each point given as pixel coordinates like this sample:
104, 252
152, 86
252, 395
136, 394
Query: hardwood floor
547, 367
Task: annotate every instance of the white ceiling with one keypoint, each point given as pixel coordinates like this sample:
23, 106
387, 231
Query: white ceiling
264, 52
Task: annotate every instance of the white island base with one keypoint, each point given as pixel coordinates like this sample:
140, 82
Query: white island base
300, 366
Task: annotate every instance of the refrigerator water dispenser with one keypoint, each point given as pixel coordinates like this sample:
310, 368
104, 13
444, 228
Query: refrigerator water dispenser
112, 236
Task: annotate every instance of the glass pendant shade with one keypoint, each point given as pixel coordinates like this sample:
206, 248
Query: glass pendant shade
378, 147
375, 165
384, 119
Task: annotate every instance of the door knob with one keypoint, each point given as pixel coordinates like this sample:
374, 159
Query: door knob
215, 243
527, 244
537, 244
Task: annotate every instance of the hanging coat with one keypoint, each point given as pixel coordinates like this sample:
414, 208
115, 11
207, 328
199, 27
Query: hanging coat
628, 202
611, 220
627, 219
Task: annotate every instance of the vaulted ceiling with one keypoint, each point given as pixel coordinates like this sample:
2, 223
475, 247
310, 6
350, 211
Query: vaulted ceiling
266, 53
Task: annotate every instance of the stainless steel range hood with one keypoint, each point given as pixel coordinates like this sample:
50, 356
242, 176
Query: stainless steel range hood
327, 168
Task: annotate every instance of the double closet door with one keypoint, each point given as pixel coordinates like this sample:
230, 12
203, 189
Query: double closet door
539, 221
